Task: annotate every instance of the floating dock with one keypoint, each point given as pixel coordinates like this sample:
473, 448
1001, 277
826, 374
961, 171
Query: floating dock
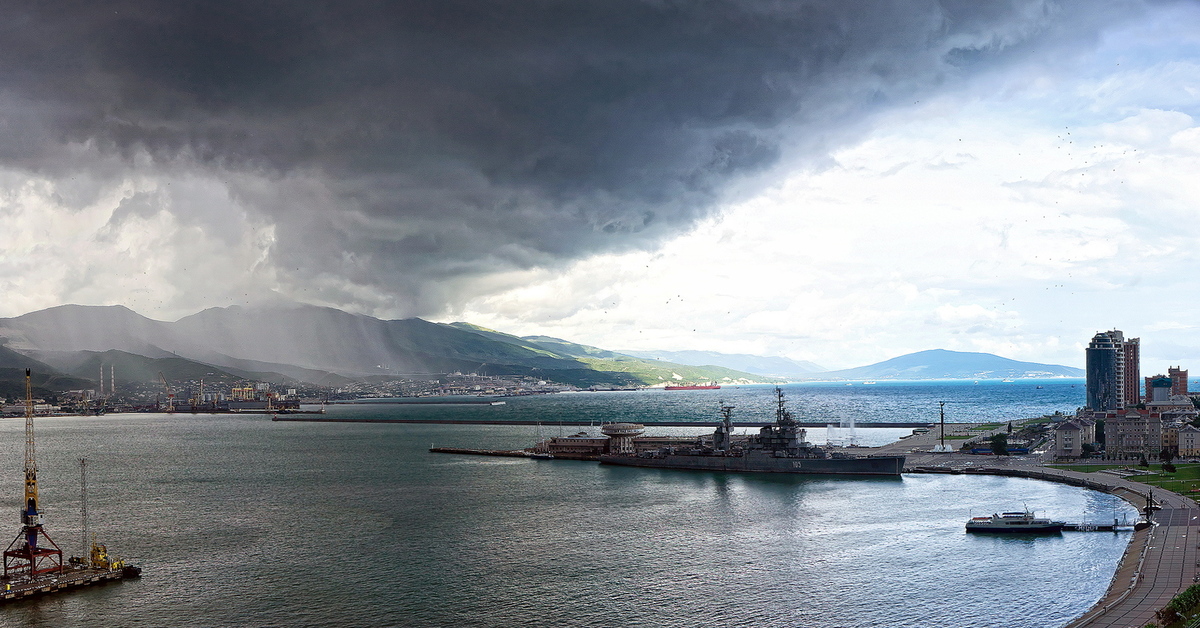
1097, 527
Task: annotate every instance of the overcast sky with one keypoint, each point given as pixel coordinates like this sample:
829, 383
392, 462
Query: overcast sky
834, 181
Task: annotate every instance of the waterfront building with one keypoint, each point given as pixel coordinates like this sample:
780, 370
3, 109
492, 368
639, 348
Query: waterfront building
1170, 436
1189, 441
1113, 371
1158, 389
1071, 435
1129, 376
1174, 408
1166, 395
1179, 384
1133, 434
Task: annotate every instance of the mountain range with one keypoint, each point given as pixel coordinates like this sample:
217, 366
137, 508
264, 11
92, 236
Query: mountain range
319, 345
770, 366
943, 364
295, 343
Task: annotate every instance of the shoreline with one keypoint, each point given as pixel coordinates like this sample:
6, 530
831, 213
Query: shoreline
1158, 563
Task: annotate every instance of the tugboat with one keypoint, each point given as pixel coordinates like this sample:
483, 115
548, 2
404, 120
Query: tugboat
1024, 522
777, 448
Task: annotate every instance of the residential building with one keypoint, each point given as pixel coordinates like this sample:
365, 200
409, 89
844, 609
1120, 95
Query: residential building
1178, 380
1189, 441
1113, 371
1130, 354
1158, 389
1133, 434
1071, 435
1102, 373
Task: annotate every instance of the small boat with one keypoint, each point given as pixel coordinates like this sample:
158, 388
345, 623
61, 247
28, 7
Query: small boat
1023, 522
542, 456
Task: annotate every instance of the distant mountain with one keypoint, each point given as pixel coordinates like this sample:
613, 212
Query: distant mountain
943, 364
296, 342
129, 367
771, 366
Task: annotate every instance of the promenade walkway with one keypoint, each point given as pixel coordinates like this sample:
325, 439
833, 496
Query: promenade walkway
1159, 562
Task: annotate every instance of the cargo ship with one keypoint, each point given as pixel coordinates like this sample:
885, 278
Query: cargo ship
709, 386
777, 448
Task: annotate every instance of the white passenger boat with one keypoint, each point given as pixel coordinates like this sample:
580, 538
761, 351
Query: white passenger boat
1023, 521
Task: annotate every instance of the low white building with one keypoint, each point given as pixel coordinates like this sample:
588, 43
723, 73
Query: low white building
1189, 442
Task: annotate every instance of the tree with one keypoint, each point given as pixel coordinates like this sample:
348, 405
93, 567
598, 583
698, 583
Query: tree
1165, 455
1087, 450
1010, 427
1000, 444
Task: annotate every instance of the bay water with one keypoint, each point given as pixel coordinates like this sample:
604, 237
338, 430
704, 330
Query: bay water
242, 521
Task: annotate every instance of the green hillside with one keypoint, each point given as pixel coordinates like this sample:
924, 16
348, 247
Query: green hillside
46, 379
12, 383
614, 367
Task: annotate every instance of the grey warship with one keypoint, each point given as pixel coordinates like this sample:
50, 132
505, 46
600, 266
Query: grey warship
778, 448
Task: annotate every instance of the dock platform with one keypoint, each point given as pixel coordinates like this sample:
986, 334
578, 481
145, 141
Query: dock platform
69, 578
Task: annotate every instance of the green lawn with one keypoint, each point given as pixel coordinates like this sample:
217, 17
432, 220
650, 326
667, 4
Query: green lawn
1185, 480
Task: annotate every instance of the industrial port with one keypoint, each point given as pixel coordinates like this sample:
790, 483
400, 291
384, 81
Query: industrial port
33, 562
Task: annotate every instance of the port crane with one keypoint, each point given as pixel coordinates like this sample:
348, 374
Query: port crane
33, 552
170, 393
33, 562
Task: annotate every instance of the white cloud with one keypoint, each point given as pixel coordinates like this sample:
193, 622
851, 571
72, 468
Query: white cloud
1016, 217
134, 241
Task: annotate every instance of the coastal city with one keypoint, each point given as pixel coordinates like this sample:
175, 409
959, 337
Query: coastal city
737, 313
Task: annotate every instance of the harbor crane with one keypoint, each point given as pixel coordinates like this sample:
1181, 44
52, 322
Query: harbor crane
33, 562
33, 552
170, 393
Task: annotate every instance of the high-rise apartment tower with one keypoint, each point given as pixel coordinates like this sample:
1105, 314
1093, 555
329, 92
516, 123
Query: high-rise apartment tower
1113, 371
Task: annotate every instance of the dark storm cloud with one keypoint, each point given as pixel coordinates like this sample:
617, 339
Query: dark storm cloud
408, 144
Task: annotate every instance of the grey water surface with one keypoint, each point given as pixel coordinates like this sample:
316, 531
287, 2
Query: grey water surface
241, 521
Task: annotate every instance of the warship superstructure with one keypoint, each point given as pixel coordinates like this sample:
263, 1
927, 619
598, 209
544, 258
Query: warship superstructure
777, 448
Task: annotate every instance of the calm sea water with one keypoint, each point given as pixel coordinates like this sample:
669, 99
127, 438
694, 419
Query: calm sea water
900, 402
240, 521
